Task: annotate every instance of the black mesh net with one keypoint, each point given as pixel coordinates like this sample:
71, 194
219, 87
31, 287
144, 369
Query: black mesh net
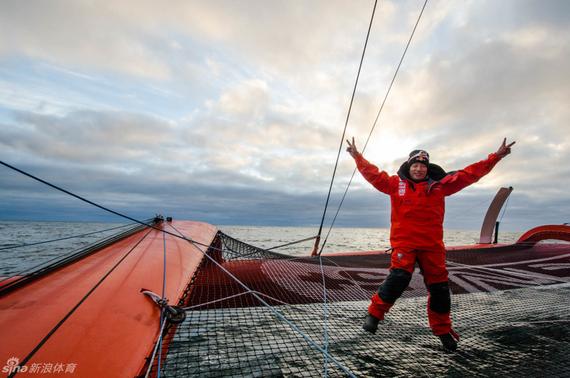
303, 317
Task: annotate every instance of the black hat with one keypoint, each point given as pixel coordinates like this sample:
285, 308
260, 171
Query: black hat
435, 172
418, 156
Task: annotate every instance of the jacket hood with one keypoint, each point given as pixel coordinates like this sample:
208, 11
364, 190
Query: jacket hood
435, 172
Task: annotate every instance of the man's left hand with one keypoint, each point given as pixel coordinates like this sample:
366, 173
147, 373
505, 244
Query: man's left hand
504, 149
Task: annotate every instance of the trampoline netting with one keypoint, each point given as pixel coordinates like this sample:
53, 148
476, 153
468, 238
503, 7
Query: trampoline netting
303, 316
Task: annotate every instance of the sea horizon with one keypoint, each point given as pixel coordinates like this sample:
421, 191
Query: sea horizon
16, 257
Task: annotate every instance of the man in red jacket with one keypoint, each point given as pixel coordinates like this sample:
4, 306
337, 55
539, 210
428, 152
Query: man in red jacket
417, 196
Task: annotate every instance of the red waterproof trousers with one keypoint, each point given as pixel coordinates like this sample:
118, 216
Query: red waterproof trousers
432, 267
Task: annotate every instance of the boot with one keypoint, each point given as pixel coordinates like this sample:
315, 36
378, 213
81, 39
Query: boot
448, 341
371, 324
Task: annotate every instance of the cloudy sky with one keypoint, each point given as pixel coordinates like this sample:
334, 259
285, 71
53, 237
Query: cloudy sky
231, 112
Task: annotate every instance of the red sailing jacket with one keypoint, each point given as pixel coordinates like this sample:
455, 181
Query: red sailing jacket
418, 208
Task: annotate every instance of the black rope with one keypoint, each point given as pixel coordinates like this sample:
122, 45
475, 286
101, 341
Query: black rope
375, 122
71, 194
345, 126
64, 319
65, 238
97, 205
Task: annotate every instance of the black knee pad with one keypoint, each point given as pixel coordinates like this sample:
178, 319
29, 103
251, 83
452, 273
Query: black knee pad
395, 284
440, 299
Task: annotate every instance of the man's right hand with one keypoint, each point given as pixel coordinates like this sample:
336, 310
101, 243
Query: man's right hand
351, 149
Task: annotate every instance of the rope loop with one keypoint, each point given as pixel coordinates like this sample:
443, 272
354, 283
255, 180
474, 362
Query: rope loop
174, 314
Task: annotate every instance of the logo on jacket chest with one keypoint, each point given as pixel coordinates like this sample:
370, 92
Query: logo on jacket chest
402, 188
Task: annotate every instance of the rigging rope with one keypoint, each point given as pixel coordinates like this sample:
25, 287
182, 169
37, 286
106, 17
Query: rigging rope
318, 239
374, 124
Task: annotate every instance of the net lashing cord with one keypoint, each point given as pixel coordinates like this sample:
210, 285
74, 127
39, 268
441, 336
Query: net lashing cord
373, 126
194, 243
345, 127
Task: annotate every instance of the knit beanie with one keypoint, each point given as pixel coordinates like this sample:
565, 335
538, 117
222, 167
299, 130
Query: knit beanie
418, 156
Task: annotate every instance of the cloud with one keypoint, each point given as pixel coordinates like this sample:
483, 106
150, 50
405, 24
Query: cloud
77, 33
232, 111
85, 136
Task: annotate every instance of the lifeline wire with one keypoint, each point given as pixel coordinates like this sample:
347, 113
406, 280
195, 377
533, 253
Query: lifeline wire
345, 126
373, 125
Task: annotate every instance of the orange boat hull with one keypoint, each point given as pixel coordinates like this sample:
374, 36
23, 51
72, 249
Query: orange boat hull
110, 332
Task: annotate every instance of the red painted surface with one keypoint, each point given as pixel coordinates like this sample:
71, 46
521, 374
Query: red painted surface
555, 231
114, 329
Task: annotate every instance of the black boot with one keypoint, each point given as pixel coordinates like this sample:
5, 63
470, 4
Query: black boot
371, 324
448, 341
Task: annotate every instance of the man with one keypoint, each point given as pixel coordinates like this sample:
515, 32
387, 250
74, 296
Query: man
417, 196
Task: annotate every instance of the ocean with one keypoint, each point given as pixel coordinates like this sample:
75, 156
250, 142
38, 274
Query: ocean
17, 259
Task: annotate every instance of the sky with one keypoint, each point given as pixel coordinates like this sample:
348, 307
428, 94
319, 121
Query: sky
231, 112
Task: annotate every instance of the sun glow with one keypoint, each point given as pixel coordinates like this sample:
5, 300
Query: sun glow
388, 147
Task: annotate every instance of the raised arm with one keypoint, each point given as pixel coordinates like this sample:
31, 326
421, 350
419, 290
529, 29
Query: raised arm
460, 179
379, 179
